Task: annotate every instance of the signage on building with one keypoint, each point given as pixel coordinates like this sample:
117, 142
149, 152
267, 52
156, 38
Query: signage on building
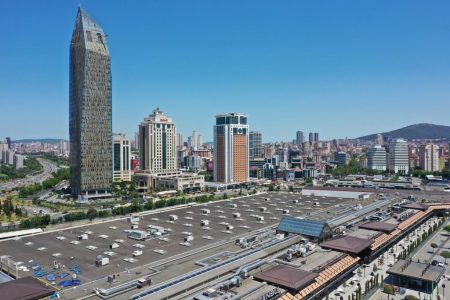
269, 295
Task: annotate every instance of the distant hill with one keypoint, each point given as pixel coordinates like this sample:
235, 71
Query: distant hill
47, 141
415, 132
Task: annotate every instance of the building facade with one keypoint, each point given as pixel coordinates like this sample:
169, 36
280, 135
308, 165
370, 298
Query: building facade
255, 145
429, 157
376, 158
299, 138
157, 138
231, 148
398, 161
121, 158
90, 107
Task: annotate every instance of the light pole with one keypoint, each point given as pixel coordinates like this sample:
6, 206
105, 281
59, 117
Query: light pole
443, 291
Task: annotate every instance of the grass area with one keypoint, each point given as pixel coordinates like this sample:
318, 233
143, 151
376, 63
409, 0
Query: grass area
58, 160
30, 165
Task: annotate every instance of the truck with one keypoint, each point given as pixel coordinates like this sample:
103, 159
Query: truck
137, 253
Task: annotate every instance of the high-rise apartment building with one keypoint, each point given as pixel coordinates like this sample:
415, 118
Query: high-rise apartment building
299, 138
8, 141
429, 157
18, 161
316, 137
231, 162
311, 138
157, 138
179, 141
398, 160
376, 158
255, 145
121, 158
91, 164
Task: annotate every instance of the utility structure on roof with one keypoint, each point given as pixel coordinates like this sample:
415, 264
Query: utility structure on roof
311, 229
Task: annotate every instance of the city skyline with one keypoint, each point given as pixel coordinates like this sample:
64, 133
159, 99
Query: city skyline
309, 69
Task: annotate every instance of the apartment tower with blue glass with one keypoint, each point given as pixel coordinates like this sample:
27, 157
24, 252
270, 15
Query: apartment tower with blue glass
90, 124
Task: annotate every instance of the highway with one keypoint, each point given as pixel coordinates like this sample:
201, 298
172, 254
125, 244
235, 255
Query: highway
48, 169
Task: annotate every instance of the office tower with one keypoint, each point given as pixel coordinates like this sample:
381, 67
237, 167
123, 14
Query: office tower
91, 164
300, 138
376, 158
195, 140
429, 157
121, 158
8, 157
136, 141
231, 148
254, 145
379, 140
316, 137
3, 148
157, 138
8, 141
340, 157
179, 141
398, 161
18, 161
311, 138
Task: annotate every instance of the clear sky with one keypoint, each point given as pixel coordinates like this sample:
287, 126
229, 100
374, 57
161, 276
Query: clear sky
341, 68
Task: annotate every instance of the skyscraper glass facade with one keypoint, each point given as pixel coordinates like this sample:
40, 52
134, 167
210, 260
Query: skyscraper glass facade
90, 124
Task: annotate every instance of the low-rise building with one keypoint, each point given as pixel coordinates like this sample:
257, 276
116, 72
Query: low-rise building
179, 181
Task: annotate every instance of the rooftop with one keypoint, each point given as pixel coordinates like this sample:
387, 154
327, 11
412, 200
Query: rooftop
415, 270
287, 277
27, 288
417, 206
349, 244
379, 226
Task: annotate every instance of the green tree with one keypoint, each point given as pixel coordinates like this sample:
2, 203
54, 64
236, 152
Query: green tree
445, 254
91, 214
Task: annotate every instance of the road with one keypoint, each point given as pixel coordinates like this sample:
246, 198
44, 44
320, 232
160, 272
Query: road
48, 169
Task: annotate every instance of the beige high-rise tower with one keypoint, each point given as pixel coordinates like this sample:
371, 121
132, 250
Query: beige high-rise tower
157, 143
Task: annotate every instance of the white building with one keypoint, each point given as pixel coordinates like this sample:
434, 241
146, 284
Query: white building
18, 161
429, 157
3, 148
376, 158
121, 158
157, 143
398, 156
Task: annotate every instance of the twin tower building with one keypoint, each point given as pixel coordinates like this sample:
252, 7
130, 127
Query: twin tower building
90, 123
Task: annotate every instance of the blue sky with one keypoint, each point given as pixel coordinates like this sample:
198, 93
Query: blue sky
341, 68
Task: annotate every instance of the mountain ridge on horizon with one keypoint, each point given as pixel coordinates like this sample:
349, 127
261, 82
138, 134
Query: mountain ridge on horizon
414, 132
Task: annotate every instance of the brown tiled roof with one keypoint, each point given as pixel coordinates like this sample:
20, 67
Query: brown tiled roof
26, 288
286, 277
379, 226
349, 244
417, 206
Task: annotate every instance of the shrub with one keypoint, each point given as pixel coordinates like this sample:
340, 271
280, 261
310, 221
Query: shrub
388, 289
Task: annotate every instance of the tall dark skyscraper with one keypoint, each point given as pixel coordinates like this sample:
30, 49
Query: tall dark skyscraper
299, 138
255, 145
90, 121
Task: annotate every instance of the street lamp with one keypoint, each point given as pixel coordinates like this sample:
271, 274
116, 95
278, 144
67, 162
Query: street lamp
443, 291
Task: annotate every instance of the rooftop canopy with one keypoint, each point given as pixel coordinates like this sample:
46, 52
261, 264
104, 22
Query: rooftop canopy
26, 288
304, 227
417, 271
417, 206
348, 244
287, 277
379, 226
